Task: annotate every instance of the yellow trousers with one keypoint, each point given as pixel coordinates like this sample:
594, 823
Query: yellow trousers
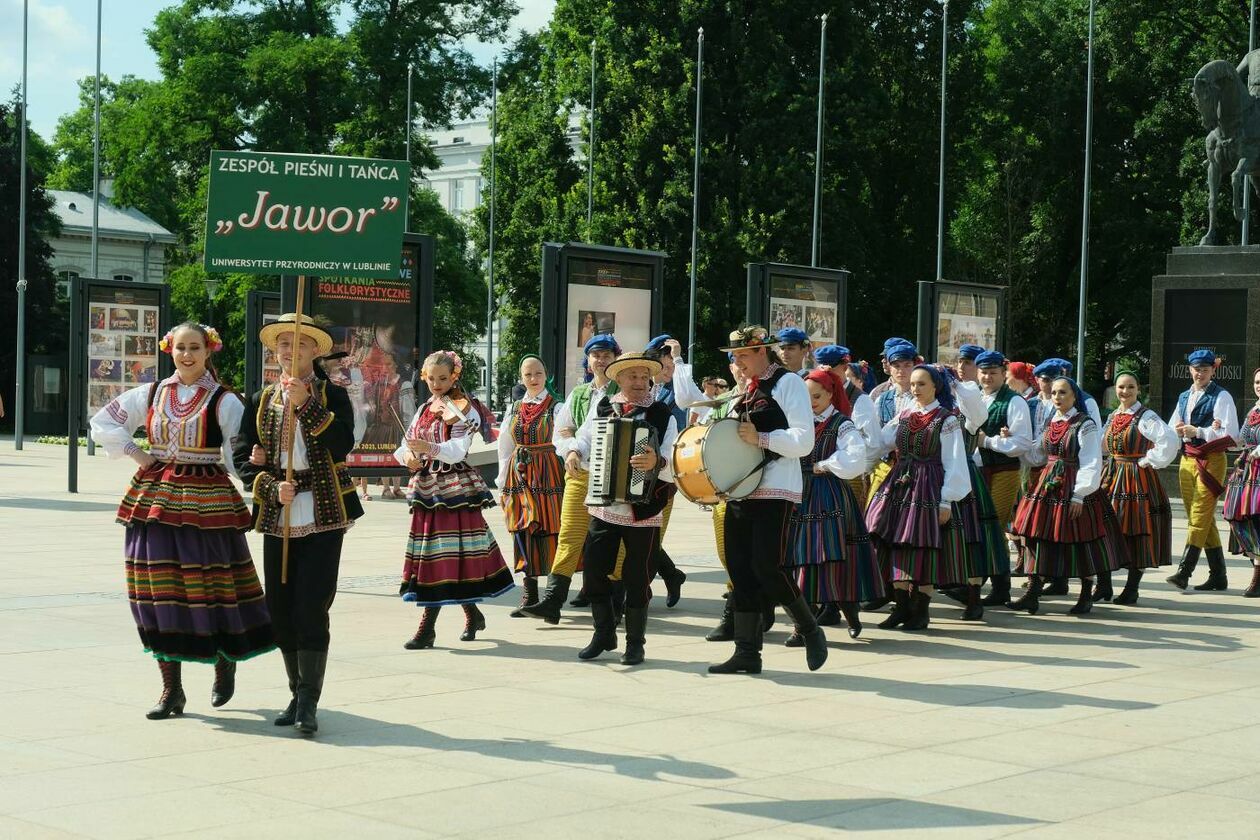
861, 487
878, 476
574, 520
1200, 504
719, 535
1004, 488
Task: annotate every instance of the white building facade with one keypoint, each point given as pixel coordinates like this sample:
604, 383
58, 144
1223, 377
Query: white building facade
130, 245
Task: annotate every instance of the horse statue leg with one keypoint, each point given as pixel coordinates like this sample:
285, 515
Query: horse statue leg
1213, 235
1238, 183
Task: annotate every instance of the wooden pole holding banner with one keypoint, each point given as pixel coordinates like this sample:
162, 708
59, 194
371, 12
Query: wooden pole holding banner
290, 423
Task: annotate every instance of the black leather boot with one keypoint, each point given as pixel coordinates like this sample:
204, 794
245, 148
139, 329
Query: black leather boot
725, 630
900, 611
1058, 586
529, 597
1085, 602
1217, 581
852, 617
1190, 559
289, 715
474, 620
1253, 588
172, 700
1103, 590
956, 593
311, 665
918, 619
1031, 600
580, 600
767, 613
674, 579
605, 636
618, 601
636, 635
879, 603
548, 606
426, 633
815, 639
224, 685
1129, 595
829, 615
1000, 595
974, 610
747, 656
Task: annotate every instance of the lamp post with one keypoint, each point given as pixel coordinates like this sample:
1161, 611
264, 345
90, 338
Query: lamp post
818, 145
19, 395
1089, 162
695, 196
940, 199
494, 128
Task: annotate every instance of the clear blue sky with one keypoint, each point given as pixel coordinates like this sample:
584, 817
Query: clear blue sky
62, 48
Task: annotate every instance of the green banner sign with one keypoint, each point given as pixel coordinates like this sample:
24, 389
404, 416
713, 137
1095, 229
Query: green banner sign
281, 213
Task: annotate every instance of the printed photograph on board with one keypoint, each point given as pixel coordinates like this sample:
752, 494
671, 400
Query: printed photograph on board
591, 324
122, 318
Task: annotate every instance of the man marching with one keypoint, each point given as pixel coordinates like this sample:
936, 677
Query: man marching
794, 349
321, 503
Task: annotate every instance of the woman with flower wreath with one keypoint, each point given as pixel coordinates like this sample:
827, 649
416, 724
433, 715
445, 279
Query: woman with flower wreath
452, 558
194, 592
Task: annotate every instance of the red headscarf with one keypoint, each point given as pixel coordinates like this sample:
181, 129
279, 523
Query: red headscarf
832, 383
1022, 371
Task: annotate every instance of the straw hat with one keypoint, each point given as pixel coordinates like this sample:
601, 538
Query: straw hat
626, 361
271, 333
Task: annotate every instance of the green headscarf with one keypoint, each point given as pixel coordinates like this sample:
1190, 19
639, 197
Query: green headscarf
550, 386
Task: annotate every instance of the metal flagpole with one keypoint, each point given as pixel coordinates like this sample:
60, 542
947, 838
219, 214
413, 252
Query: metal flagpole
96, 171
1246, 225
818, 146
940, 201
494, 129
409, 74
590, 153
695, 195
1089, 162
19, 395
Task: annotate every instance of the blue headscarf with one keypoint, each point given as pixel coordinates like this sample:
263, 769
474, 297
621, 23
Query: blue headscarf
1081, 399
605, 341
868, 377
944, 387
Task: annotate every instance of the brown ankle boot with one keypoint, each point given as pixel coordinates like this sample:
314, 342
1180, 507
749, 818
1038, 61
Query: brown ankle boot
474, 620
172, 700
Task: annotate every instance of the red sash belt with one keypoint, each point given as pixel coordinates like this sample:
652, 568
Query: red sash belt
1200, 454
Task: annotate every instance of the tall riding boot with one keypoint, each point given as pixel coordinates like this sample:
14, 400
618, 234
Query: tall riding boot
224, 681
605, 636
529, 597
767, 612
880, 602
1253, 588
1058, 586
426, 633
1102, 587
474, 620
1129, 595
815, 639
580, 600
1000, 595
1031, 600
919, 618
548, 606
747, 656
1085, 602
1181, 578
852, 617
636, 635
311, 665
618, 601
289, 715
829, 615
900, 611
172, 700
1216, 582
974, 610
725, 630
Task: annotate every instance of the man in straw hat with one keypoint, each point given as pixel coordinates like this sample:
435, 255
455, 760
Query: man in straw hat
321, 501
775, 415
638, 526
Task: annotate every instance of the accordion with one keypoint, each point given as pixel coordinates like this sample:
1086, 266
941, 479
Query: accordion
614, 440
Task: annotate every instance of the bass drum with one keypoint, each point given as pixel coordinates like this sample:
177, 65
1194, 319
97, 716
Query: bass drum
712, 465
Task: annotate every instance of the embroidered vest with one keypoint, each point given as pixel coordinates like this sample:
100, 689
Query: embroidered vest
992, 427
1204, 408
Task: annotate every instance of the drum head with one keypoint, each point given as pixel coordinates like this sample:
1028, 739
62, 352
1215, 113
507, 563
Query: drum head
733, 466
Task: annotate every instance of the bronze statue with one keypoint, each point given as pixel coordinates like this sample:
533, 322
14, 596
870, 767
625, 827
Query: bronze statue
1231, 115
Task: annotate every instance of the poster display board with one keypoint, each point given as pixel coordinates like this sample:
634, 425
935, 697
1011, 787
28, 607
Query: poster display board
261, 366
812, 299
965, 313
590, 290
122, 344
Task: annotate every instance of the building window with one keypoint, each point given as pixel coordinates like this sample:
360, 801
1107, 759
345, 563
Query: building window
67, 276
125, 278
457, 195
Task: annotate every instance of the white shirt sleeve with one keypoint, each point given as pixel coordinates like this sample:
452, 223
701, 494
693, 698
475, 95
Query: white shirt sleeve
1089, 475
113, 426
455, 450
686, 392
582, 440
797, 440
562, 432
1163, 438
1019, 427
667, 450
506, 444
1092, 405
971, 402
864, 417
954, 456
1226, 413
849, 459
884, 440
230, 411
402, 452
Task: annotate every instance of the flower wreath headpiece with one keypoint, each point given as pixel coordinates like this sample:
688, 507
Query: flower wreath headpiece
213, 342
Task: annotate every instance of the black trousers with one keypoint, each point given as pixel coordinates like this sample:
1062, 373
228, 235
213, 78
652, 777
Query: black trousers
756, 544
599, 558
299, 608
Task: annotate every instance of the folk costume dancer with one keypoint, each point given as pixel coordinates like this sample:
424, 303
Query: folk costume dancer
1242, 495
862, 410
665, 349
1206, 421
1064, 519
1004, 437
774, 415
913, 517
829, 546
1136, 443
965, 367
874, 393
599, 352
451, 556
531, 478
194, 593
636, 526
794, 349
321, 501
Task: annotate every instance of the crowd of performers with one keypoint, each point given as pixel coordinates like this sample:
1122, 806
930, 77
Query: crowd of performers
868, 495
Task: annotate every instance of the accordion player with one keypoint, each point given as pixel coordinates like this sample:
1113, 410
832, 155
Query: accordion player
614, 440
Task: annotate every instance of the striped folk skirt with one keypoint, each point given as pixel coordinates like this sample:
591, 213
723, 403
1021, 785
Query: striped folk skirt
1242, 507
1142, 510
982, 529
451, 556
194, 593
829, 548
1058, 545
531, 500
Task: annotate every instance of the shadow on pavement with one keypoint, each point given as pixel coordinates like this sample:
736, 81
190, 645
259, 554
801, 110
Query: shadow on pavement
68, 505
848, 814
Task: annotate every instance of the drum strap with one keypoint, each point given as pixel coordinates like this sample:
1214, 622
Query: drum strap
760, 466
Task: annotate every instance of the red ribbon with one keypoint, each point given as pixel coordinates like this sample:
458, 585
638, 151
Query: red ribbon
1200, 454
